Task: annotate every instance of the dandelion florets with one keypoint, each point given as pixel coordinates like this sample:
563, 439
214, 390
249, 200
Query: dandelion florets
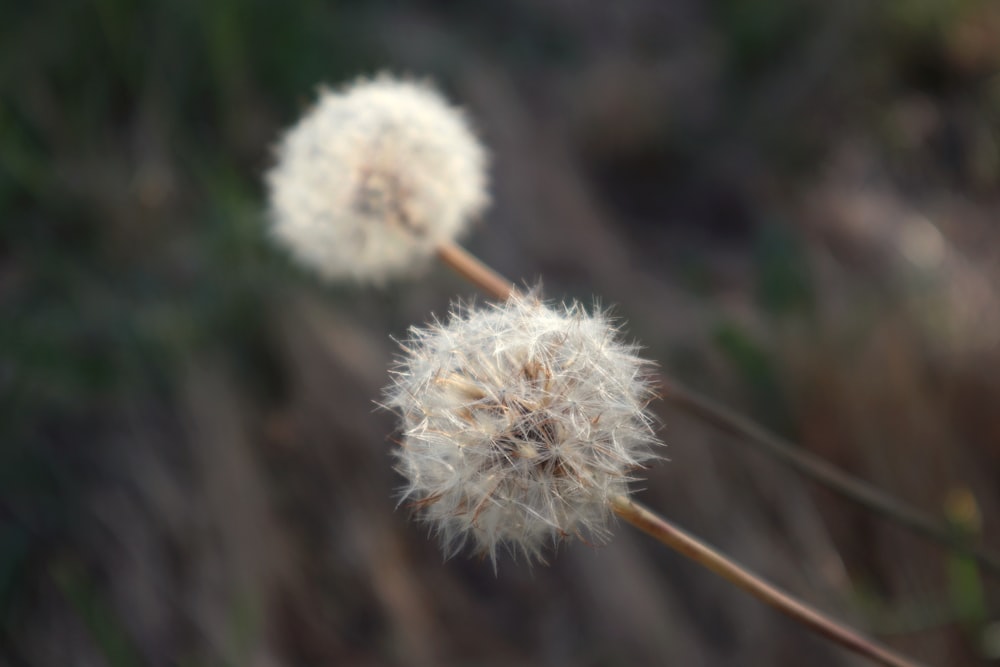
520, 422
373, 178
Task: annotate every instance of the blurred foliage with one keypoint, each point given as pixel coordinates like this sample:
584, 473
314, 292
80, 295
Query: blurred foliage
784, 285
101, 621
759, 33
754, 365
133, 135
968, 597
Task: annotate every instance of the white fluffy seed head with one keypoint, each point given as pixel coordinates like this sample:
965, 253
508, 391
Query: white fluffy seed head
373, 178
520, 422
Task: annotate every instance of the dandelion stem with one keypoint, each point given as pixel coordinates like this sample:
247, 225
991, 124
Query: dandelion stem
467, 265
689, 546
711, 412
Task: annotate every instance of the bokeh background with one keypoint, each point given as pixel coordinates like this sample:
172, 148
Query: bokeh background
792, 203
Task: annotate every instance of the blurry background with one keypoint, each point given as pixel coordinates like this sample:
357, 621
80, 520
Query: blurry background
793, 204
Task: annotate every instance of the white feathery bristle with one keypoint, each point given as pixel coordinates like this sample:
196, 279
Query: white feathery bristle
520, 422
373, 178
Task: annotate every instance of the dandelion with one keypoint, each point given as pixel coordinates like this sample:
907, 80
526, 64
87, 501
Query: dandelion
374, 178
523, 425
521, 422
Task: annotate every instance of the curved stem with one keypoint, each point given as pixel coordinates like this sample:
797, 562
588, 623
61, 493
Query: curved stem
823, 472
848, 486
689, 546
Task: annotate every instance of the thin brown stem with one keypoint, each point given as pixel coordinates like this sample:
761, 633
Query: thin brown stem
852, 488
690, 547
821, 471
472, 269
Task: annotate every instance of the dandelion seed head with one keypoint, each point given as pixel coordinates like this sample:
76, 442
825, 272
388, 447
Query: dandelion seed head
373, 178
520, 422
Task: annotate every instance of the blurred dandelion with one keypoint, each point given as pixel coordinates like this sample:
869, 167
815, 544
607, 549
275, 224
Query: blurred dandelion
520, 422
374, 178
